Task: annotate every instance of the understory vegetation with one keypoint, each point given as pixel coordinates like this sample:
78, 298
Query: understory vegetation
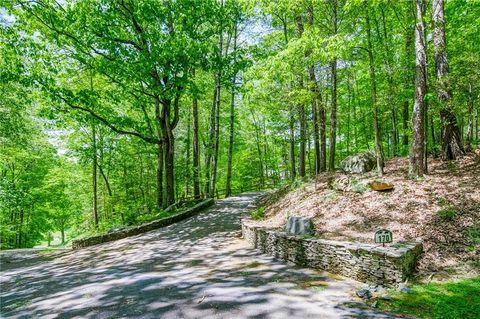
113, 111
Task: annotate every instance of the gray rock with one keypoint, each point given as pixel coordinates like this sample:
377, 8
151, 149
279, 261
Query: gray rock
387, 298
380, 290
360, 163
349, 184
404, 289
364, 293
116, 229
300, 226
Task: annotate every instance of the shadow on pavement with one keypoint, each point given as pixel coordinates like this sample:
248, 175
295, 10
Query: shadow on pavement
193, 269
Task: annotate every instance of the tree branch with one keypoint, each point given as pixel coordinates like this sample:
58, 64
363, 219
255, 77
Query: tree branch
147, 139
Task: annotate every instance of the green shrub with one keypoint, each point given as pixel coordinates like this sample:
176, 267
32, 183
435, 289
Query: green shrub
473, 234
258, 213
447, 213
452, 167
297, 183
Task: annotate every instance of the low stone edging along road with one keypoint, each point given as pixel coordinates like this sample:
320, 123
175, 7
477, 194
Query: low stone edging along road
140, 229
196, 268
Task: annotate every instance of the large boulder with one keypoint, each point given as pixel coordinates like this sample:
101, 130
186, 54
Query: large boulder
360, 163
300, 226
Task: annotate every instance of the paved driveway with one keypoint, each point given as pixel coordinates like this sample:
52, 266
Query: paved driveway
197, 268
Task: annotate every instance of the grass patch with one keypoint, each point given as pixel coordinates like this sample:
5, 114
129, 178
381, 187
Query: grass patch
316, 285
473, 234
258, 213
450, 300
447, 213
17, 305
253, 264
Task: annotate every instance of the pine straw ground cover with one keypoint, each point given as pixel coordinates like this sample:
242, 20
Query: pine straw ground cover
442, 210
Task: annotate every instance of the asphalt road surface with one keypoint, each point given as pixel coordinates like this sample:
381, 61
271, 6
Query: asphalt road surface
198, 268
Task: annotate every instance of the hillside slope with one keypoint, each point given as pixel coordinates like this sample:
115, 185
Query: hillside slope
442, 210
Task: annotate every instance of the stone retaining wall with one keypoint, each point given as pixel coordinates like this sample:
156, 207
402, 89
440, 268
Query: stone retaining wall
369, 263
95, 240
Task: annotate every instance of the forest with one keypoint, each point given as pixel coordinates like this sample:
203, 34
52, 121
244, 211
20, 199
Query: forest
113, 111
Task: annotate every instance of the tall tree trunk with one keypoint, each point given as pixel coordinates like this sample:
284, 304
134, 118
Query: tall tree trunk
196, 146
105, 179
228, 190
217, 141
315, 101
373, 88
388, 58
212, 157
187, 156
258, 141
293, 168
303, 138
160, 175
333, 114
451, 137
322, 118
167, 125
169, 155
301, 111
409, 77
210, 146
417, 154
62, 231
94, 175
471, 118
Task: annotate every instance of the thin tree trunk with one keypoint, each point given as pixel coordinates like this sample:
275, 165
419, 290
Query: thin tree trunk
259, 149
217, 142
160, 175
333, 114
196, 146
62, 231
315, 100
212, 158
169, 153
452, 146
471, 118
293, 169
409, 76
187, 156
210, 146
228, 190
303, 137
301, 111
388, 58
373, 81
105, 178
94, 175
417, 163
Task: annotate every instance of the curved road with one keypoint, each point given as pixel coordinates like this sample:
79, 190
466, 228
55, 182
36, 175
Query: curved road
197, 268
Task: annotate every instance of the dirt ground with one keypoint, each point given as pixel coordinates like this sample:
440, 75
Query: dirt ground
442, 210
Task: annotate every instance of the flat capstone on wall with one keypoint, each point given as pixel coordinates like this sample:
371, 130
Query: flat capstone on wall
368, 263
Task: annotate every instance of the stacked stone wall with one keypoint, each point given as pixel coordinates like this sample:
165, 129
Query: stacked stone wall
369, 263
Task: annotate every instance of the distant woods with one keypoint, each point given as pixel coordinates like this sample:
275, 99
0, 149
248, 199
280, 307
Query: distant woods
113, 111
